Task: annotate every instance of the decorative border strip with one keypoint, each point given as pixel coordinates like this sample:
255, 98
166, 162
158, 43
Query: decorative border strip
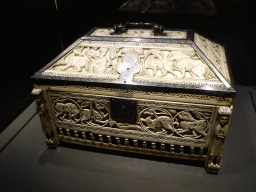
175, 106
142, 135
222, 57
139, 79
134, 44
78, 96
131, 149
84, 75
151, 93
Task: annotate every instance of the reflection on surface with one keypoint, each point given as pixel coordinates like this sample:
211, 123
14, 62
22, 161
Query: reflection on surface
205, 7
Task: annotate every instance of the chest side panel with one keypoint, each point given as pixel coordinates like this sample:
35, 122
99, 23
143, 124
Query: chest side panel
148, 120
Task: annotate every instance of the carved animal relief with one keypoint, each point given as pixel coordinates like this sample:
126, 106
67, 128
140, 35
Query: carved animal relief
151, 64
176, 65
171, 122
160, 95
158, 120
81, 111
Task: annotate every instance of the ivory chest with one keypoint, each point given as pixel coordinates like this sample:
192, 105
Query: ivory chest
165, 93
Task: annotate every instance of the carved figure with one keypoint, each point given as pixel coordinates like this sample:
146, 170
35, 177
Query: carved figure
41, 108
76, 61
99, 61
189, 124
163, 121
125, 126
156, 123
154, 60
94, 113
176, 61
156, 63
219, 135
139, 52
67, 108
113, 58
193, 65
98, 115
198, 126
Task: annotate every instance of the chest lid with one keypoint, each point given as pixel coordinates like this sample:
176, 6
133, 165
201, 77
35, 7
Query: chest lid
170, 59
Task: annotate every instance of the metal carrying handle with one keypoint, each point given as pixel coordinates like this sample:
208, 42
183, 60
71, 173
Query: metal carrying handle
120, 28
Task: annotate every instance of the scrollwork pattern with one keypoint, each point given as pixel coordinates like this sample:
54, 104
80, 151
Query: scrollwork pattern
183, 124
136, 44
158, 62
175, 105
165, 94
80, 111
159, 120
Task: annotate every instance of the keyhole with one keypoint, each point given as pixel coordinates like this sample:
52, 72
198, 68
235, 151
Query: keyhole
128, 68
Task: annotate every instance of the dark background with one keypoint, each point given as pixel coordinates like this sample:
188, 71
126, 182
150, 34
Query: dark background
35, 32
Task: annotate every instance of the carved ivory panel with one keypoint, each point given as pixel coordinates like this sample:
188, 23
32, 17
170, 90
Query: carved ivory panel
155, 121
164, 63
163, 128
215, 53
167, 96
141, 33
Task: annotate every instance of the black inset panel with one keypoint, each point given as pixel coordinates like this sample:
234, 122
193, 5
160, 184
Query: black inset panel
123, 110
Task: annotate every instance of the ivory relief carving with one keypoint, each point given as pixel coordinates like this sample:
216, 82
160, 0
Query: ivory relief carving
167, 96
185, 124
148, 64
150, 93
160, 120
44, 117
85, 112
141, 33
175, 64
219, 136
215, 53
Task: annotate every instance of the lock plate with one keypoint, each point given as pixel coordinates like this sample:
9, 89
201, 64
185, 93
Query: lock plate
123, 110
